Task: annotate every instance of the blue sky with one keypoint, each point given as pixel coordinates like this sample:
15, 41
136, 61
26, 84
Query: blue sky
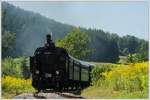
116, 17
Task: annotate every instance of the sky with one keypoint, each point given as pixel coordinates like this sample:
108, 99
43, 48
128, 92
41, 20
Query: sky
121, 18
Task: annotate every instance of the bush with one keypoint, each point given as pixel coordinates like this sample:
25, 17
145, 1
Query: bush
99, 69
129, 78
137, 57
24, 64
9, 67
12, 86
18, 67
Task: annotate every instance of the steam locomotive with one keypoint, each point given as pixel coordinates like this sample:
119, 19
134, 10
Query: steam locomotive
53, 68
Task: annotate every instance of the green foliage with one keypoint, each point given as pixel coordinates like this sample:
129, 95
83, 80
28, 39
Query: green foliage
139, 57
25, 67
9, 67
113, 55
104, 46
99, 69
94, 92
15, 67
8, 40
31, 28
143, 47
76, 43
122, 81
130, 45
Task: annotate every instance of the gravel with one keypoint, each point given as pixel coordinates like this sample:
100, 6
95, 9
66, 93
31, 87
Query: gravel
44, 96
40, 95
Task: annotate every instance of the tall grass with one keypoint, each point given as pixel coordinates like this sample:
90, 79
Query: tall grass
15, 76
120, 81
12, 86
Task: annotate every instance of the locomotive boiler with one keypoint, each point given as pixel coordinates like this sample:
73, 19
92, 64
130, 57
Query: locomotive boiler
53, 68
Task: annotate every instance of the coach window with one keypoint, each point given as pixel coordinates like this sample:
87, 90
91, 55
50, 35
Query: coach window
84, 74
76, 72
70, 69
66, 64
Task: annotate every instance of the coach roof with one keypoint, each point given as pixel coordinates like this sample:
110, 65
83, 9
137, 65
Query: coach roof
86, 64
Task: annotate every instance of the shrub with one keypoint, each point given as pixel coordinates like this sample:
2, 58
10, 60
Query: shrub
99, 69
139, 57
122, 81
14, 86
9, 68
18, 67
132, 77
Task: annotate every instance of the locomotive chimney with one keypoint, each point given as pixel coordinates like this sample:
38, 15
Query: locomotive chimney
48, 37
49, 41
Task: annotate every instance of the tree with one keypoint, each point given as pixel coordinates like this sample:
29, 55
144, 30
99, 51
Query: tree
8, 40
76, 43
113, 51
131, 44
24, 68
30, 28
143, 46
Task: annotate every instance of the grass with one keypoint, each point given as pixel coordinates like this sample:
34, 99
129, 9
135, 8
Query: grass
120, 81
94, 92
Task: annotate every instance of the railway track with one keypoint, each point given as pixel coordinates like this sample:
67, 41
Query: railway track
49, 95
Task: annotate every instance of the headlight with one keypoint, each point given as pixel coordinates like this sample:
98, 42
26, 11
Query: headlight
37, 71
57, 72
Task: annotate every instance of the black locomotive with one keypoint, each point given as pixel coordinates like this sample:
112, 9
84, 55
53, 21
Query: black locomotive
53, 68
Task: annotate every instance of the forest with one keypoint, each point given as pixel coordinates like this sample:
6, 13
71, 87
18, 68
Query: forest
24, 31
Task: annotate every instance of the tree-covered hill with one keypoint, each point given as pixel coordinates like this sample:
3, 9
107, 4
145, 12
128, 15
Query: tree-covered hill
30, 28
24, 31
